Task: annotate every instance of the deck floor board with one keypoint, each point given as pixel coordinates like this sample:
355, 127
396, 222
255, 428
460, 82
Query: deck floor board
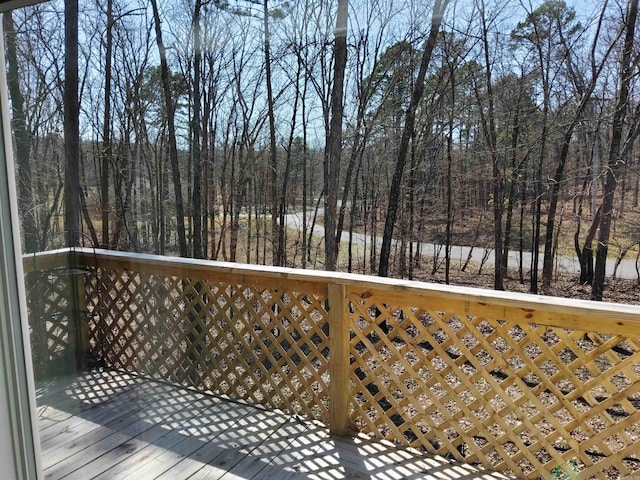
98, 434
112, 425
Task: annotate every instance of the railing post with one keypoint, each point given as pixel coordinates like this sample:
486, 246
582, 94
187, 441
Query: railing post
338, 360
79, 305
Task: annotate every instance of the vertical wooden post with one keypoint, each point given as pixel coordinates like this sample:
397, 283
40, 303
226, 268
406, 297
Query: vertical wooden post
83, 326
338, 360
79, 305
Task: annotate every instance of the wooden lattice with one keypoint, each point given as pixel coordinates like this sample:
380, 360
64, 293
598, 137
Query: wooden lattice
52, 322
511, 396
249, 342
535, 387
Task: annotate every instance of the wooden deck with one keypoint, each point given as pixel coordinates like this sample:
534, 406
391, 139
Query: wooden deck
109, 425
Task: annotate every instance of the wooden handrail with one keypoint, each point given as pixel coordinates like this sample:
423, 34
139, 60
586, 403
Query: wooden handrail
604, 317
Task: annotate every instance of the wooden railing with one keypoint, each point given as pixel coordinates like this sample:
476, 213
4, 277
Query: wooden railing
533, 386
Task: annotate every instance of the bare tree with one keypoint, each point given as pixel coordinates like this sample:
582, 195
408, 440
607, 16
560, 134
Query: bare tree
71, 126
273, 153
407, 133
196, 138
619, 147
173, 149
106, 127
585, 92
369, 44
22, 139
334, 140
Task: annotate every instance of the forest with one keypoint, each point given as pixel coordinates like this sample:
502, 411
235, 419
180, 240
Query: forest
204, 128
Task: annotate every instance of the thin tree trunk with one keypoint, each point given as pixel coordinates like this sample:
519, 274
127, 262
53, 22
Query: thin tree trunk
87, 219
305, 193
173, 149
196, 132
273, 153
334, 139
287, 171
212, 191
616, 151
515, 170
523, 201
206, 178
105, 159
585, 255
124, 198
71, 126
355, 158
449, 226
492, 143
407, 133
547, 269
412, 212
22, 139
352, 217
313, 224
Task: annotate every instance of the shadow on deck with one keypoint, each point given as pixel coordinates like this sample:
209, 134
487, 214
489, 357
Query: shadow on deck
112, 425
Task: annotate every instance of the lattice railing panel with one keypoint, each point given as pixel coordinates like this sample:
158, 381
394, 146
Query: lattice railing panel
52, 326
510, 396
536, 387
263, 345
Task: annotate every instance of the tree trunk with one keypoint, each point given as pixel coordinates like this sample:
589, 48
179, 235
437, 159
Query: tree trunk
357, 149
449, 226
511, 193
173, 149
547, 270
287, 170
334, 140
305, 193
407, 133
71, 126
585, 255
105, 159
616, 151
489, 127
352, 217
22, 138
523, 200
196, 132
273, 153
537, 190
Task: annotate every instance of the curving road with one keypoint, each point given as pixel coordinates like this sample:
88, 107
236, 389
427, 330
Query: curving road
564, 264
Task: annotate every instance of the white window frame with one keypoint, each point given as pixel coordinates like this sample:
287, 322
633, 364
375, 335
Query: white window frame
19, 441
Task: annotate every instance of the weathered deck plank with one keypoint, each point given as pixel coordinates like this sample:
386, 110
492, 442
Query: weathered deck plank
82, 420
159, 440
242, 431
93, 440
219, 438
56, 402
116, 426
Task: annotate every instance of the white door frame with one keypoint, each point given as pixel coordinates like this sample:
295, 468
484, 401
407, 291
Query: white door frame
19, 443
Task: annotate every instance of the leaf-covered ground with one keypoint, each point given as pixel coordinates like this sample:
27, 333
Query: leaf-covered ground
567, 286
